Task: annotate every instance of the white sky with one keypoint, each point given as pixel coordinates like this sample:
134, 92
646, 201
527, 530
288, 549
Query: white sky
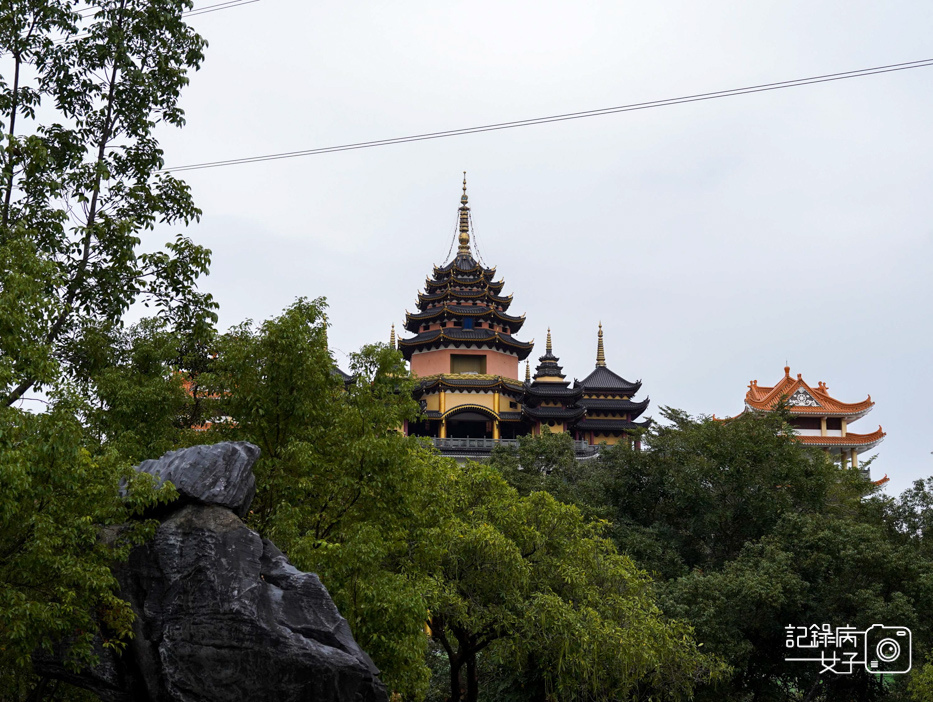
714, 240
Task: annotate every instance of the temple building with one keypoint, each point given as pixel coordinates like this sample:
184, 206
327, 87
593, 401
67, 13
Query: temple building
607, 398
817, 418
550, 404
465, 353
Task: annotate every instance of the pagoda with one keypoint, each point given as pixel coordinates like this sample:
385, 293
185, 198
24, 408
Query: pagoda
550, 404
465, 357
818, 418
610, 410
463, 349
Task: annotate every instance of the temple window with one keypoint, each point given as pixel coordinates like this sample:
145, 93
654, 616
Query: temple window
467, 363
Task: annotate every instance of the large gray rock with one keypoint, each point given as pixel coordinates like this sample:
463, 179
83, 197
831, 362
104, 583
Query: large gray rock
222, 616
221, 474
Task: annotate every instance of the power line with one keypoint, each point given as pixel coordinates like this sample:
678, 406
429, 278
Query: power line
193, 11
217, 7
561, 117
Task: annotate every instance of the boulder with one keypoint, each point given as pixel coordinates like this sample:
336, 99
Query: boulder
220, 474
222, 616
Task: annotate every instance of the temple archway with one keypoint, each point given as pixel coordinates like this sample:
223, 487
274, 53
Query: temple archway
470, 423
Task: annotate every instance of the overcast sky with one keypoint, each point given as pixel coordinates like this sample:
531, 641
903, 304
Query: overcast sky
714, 240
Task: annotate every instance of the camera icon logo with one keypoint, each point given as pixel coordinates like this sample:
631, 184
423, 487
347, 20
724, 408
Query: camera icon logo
888, 649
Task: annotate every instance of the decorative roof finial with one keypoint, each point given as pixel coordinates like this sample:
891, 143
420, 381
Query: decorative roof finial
392, 338
527, 371
464, 236
548, 348
600, 352
786, 370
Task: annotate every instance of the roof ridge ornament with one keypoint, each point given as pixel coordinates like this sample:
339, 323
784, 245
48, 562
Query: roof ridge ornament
392, 338
600, 351
464, 236
548, 346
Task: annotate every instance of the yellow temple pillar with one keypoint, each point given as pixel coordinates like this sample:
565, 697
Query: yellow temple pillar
822, 426
495, 429
442, 433
844, 426
854, 454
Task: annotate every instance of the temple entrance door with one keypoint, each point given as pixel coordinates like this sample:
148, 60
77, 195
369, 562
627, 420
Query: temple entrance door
469, 425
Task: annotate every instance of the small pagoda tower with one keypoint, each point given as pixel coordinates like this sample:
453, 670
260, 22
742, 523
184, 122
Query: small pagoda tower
463, 350
817, 418
550, 402
610, 410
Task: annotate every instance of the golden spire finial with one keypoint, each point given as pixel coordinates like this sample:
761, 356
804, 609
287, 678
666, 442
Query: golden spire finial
392, 338
600, 352
548, 349
527, 371
464, 236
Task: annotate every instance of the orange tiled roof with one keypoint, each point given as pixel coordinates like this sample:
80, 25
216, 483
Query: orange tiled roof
764, 398
849, 439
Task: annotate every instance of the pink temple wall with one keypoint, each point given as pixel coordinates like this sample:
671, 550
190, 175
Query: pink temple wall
434, 362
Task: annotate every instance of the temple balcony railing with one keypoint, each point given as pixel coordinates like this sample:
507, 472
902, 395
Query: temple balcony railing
484, 447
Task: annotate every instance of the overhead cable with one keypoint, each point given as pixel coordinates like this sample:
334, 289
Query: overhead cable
797, 82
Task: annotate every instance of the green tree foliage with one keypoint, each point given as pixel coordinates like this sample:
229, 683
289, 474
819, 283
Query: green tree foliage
403, 538
81, 94
80, 98
706, 488
548, 463
338, 487
551, 598
138, 399
55, 579
748, 532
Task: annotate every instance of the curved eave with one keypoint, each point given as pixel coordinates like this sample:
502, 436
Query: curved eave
564, 414
458, 338
452, 266
604, 381
537, 393
634, 409
589, 424
794, 410
443, 283
413, 321
470, 381
862, 442
424, 299
766, 399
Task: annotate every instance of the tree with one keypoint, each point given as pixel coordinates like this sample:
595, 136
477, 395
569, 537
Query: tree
813, 569
80, 176
138, 398
338, 487
705, 488
55, 579
749, 531
403, 537
548, 462
531, 581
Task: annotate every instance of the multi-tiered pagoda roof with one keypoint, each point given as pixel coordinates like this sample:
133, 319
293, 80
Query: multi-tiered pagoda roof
464, 352
549, 398
607, 397
462, 306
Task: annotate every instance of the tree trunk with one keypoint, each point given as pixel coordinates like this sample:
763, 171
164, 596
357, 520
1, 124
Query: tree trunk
455, 690
472, 681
